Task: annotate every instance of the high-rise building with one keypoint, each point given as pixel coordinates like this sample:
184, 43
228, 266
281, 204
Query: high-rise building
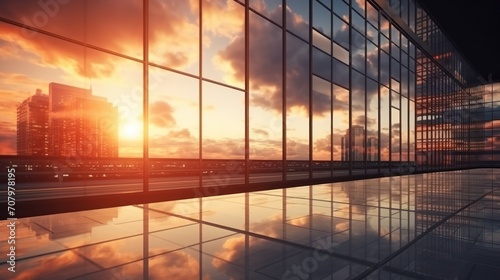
353, 147
80, 123
32, 125
372, 149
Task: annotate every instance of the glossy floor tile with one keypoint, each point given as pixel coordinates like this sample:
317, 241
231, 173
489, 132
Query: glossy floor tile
427, 226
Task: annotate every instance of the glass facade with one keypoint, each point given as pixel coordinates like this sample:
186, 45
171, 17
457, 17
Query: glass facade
202, 93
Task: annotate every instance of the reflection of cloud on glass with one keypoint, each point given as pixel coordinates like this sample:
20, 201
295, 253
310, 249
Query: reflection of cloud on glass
266, 67
297, 149
223, 148
161, 114
177, 144
265, 148
260, 132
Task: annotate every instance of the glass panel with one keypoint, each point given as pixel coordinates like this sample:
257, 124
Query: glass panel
372, 60
223, 136
395, 69
173, 115
359, 6
395, 52
412, 14
358, 51
395, 99
169, 23
372, 14
81, 107
395, 136
404, 129
404, 43
120, 82
340, 53
322, 19
358, 95
224, 42
341, 9
395, 35
271, 9
404, 81
52, 17
321, 119
384, 69
297, 105
384, 26
124, 25
384, 43
341, 32
327, 3
395, 86
297, 17
266, 94
321, 42
404, 59
404, 10
358, 22
322, 64
412, 86
372, 109
340, 73
384, 123
173, 129
340, 127
372, 33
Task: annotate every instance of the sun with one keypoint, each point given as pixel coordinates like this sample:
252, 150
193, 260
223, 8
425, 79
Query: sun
131, 130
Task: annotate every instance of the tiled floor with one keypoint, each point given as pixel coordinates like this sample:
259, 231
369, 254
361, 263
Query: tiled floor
431, 226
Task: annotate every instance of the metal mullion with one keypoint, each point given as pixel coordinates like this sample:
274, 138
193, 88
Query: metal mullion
310, 89
200, 96
283, 93
145, 96
350, 93
247, 96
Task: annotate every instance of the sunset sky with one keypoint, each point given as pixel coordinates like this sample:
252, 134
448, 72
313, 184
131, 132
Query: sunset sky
30, 60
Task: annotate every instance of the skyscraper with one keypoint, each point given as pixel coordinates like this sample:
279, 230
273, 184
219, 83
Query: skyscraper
354, 146
32, 125
80, 123
372, 149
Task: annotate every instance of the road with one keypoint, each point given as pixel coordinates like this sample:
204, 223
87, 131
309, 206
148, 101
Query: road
45, 190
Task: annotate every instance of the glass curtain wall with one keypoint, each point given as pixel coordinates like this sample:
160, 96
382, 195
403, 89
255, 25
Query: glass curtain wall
167, 94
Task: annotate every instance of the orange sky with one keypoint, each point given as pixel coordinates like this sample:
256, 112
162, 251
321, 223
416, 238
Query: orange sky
30, 60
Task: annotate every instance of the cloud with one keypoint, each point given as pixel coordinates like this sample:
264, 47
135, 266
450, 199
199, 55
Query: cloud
8, 139
183, 133
223, 148
229, 24
265, 68
265, 149
173, 265
260, 132
323, 145
172, 24
176, 144
161, 114
297, 150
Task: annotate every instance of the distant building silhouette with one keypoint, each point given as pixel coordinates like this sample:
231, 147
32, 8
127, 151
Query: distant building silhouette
33, 125
70, 121
353, 148
372, 149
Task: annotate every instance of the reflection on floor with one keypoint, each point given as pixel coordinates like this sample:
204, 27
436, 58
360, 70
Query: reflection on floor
427, 226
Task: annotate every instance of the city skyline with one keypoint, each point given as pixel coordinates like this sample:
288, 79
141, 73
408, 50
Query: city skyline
173, 98
200, 80
68, 121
